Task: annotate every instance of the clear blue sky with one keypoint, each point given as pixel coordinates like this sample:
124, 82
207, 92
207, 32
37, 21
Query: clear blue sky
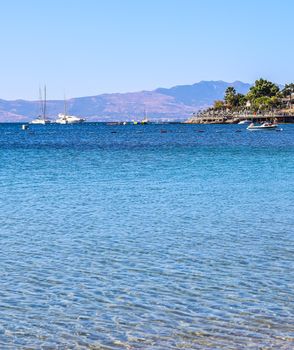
88, 47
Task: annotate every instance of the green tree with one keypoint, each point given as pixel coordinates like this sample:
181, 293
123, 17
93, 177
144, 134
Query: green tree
274, 102
265, 103
230, 96
288, 89
263, 88
232, 99
261, 103
218, 105
240, 100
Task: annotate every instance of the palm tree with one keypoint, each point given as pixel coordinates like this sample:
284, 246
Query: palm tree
230, 95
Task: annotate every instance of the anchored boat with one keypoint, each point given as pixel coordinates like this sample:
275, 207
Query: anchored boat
41, 119
246, 121
64, 118
68, 119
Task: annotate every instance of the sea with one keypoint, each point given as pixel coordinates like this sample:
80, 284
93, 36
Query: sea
160, 236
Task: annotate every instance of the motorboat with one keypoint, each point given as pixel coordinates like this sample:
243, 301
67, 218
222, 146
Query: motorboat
246, 121
65, 118
263, 126
69, 119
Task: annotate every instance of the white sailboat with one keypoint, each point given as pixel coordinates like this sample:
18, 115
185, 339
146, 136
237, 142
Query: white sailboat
145, 120
41, 119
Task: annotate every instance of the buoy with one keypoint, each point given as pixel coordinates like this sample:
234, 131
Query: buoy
24, 127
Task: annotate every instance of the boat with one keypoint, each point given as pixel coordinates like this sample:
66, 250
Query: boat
69, 119
41, 119
263, 126
64, 118
145, 120
246, 121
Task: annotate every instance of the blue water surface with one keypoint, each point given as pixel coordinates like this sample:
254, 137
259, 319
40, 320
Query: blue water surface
146, 237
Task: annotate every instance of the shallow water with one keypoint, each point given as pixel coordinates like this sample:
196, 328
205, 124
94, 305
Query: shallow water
146, 237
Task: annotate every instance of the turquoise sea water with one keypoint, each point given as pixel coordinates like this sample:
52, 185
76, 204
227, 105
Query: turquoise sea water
146, 237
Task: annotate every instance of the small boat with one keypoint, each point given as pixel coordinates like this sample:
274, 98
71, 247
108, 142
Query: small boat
263, 126
246, 121
145, 120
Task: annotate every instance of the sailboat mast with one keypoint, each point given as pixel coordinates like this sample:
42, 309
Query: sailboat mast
65, 106
44, 107
41, 102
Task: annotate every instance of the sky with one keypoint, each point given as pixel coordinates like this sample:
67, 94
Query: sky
88, 47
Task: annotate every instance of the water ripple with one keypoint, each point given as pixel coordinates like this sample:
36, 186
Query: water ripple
146, 240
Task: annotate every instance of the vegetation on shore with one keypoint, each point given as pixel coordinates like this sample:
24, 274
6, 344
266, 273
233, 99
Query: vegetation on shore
264, 99
263, 96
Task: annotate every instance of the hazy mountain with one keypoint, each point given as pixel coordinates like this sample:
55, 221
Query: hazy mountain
178, 102
202, 93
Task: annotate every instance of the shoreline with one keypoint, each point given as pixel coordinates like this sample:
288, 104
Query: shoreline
216, 118
187, 122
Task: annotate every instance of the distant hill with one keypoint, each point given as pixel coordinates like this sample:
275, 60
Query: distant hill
175, 103
202, 93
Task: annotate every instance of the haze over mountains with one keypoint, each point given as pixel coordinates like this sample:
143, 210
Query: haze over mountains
175, 103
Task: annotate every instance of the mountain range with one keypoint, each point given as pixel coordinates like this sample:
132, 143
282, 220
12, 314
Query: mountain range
175, 103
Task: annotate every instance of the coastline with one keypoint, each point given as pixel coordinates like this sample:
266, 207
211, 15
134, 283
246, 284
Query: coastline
233, 119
